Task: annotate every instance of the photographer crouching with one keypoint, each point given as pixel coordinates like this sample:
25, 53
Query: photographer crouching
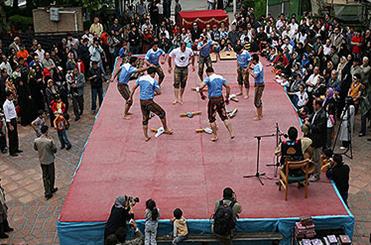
339, 173
121, 214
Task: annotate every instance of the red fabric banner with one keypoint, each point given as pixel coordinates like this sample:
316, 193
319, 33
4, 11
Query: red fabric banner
203, 17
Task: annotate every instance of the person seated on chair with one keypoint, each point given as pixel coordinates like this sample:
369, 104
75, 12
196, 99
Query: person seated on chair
291, 150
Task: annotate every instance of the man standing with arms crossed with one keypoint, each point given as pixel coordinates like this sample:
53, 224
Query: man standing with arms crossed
148, 88
182, 57
257, 72
215, 84
153, 57
126, 71
46, 148
243, 60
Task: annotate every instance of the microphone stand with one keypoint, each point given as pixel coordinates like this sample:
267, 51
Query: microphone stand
276, 161
258, 174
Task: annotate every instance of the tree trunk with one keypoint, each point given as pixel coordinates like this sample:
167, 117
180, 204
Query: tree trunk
2, 16
15, 4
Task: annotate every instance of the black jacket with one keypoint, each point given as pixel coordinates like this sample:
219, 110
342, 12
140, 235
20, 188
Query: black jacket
340, 175
318, 129
117, 219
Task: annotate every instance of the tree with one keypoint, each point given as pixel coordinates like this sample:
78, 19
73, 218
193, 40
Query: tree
2, 16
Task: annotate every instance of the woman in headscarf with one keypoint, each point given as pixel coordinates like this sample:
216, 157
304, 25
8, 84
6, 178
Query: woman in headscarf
118, 218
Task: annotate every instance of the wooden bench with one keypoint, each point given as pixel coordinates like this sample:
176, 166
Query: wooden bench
273, 237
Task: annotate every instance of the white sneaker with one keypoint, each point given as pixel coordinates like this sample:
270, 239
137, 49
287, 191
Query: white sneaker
160, 131
342, 148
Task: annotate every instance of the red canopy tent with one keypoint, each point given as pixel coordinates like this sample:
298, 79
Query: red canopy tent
203, 17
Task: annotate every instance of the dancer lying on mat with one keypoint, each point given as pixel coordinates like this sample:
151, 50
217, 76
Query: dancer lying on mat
126, 71
148, 87
215, 84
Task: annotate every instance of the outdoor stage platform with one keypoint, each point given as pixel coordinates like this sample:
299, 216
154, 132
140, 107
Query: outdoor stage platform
188, 171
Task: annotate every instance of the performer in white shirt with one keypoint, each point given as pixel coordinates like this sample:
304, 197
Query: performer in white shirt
11, 123
182, 56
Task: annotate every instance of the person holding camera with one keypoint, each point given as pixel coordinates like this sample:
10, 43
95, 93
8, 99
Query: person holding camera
227, 211
339, 173
119, 217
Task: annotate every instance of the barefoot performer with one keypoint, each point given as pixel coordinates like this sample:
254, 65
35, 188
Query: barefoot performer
215, 84
153, 57
126, 71
148, 87
257, 72
243, 60
182, 57
204, 47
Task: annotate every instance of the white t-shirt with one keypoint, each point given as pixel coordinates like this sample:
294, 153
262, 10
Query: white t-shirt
302, 97
181, 59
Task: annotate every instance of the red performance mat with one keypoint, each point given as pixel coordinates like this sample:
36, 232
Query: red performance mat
203, 17
186, 170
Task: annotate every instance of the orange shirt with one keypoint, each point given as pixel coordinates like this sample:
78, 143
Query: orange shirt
355, 88
22, 54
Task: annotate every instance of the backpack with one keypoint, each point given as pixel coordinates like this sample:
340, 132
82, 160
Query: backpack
224, 221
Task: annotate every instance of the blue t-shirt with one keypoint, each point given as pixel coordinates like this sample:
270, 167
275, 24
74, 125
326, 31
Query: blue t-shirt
215, 85
153, 57
205, 51
122, 52
243, 59
147, 86
259, 73
126, 71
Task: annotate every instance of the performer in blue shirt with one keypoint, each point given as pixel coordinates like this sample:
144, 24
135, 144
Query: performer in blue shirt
215, 84
204, 47
153, 58
126, 71
243, 60
257, 72
148, 88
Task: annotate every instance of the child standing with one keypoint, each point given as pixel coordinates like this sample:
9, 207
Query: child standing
152, 216
61, 125
180, 229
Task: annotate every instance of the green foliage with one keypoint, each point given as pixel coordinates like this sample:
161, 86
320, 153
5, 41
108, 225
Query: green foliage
258, 5
20, 22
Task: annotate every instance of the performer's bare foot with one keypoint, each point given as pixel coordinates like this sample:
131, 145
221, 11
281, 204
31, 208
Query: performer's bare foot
246, 97
175, 102
239, 94
126, 117
257, 118
181, 101
147, 139
168, 131
214, 138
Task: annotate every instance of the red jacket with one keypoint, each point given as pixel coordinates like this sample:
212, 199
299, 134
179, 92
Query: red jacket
55, 106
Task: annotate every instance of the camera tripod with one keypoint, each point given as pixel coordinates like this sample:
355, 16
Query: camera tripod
345, 117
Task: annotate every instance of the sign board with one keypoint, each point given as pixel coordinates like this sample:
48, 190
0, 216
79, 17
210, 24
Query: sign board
54, 14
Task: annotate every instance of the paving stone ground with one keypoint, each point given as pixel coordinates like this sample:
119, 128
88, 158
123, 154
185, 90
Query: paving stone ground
34, 218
